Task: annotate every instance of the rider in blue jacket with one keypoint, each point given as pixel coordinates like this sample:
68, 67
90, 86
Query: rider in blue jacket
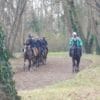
75, 41
33, 43
44, 44
38, 43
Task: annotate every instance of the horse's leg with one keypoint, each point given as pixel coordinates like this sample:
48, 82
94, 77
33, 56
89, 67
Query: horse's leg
37, 62
78, 62
29, 66
33, 61
46, 56
24, 64
42, 59
73, 61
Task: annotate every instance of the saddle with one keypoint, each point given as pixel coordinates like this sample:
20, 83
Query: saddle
35, 50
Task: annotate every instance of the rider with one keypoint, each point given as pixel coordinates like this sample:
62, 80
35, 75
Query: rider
38, 44
29, 41
44, 44
76, 41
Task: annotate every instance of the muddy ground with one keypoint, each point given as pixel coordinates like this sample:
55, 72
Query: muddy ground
57, 69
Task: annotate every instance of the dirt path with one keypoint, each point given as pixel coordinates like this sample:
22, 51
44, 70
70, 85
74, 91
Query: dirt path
57, 69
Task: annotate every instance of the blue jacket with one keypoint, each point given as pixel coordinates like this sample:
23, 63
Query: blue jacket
33, 43
44, 43
75, 41
38, 43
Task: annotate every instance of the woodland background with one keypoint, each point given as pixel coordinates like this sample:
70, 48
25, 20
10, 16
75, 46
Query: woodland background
54, 19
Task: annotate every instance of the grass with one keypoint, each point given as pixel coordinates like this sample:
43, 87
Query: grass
58, 54
85, 86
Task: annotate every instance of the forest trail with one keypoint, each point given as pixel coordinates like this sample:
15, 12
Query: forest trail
57, 69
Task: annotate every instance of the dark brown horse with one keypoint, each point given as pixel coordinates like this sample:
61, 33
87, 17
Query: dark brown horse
28, 56
31, 55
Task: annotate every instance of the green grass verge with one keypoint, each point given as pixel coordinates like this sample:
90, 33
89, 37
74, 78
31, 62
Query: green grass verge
85, 86
58, 54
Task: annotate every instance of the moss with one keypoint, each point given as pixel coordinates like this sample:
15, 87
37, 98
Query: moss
6, 74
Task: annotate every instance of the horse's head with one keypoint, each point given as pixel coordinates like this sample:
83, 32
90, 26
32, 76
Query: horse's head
26, 48
28, 53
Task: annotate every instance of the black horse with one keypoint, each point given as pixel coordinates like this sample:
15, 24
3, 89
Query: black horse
75, 53
43, 56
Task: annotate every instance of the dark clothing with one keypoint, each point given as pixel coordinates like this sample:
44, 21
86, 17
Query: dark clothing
75, 51
38, 43
33, 43
29, 42
45, 42
75, 43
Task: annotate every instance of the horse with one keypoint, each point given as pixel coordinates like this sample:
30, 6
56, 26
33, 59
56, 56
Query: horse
34, 56
43, 56
28, 55
75, 53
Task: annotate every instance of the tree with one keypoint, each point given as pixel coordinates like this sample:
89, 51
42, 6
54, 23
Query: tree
75, 23
6, 74
11, 18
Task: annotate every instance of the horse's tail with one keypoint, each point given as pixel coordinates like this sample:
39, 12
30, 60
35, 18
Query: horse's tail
46, 51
